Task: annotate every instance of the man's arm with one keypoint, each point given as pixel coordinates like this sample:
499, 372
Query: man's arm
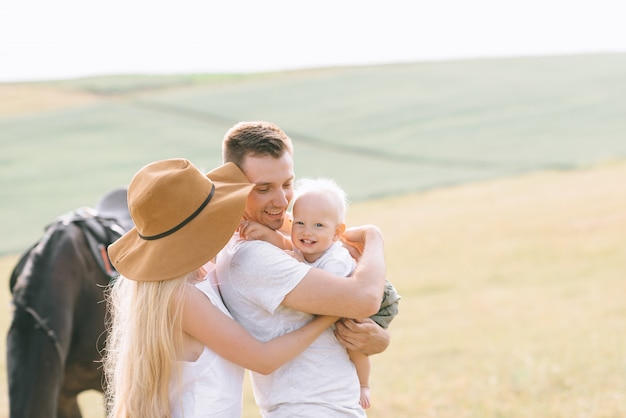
365, 336
357, 296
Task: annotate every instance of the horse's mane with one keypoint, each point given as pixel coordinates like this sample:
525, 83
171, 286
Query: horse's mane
99, 232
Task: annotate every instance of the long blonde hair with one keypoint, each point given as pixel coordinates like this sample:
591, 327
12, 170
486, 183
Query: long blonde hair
145, 338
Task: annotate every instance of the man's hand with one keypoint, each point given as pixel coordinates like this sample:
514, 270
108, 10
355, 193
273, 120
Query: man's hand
363, 335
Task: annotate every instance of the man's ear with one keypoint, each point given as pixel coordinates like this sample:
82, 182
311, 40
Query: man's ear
339, 230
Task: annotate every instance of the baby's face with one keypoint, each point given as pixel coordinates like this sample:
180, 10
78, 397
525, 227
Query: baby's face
315, 225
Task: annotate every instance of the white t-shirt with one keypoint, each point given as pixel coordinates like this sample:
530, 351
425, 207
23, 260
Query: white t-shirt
211, 386
337, 260
254, 278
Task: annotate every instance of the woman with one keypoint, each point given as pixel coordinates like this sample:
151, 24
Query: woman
173, 349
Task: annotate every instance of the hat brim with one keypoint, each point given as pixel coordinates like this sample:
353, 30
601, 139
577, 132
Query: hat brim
193, 245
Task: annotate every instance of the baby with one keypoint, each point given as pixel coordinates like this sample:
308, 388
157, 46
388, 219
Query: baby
318, 221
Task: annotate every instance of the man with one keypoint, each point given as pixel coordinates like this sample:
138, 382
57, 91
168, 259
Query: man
270, 293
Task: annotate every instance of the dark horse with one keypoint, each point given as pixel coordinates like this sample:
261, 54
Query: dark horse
57, 332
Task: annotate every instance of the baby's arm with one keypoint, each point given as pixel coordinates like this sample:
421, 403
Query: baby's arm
250, 230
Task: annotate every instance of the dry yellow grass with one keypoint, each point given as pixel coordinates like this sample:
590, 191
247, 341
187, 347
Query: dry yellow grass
513, 299
17, 99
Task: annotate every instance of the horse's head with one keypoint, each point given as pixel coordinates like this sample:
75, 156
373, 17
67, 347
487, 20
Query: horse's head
114, 205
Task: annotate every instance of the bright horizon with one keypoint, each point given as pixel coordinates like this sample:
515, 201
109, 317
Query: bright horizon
76, 38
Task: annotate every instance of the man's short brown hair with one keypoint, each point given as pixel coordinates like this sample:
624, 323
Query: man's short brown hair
257, 139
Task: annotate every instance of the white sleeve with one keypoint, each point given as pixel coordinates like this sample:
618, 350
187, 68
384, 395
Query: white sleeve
265, 274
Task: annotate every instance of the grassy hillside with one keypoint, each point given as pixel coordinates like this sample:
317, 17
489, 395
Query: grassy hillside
513, 299
380, 131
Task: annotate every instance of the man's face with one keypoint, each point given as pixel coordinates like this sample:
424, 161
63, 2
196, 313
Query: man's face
273, 177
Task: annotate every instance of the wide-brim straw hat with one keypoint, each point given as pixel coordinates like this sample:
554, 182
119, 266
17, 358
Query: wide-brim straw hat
182, 218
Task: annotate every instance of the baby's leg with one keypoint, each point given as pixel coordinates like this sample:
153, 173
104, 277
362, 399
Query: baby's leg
362, 365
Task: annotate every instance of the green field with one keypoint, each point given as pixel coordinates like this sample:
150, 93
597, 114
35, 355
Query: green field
500, 186
379, 131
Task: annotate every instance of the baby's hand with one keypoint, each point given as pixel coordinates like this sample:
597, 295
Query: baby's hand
286, 227
354, 239
250, 230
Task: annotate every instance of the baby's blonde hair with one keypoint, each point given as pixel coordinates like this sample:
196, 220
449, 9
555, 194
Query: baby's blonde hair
326, 187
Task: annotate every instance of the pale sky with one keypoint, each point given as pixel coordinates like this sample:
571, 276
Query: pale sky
47, 39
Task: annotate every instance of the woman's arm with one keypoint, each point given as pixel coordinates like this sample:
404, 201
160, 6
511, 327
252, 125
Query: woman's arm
206, 323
